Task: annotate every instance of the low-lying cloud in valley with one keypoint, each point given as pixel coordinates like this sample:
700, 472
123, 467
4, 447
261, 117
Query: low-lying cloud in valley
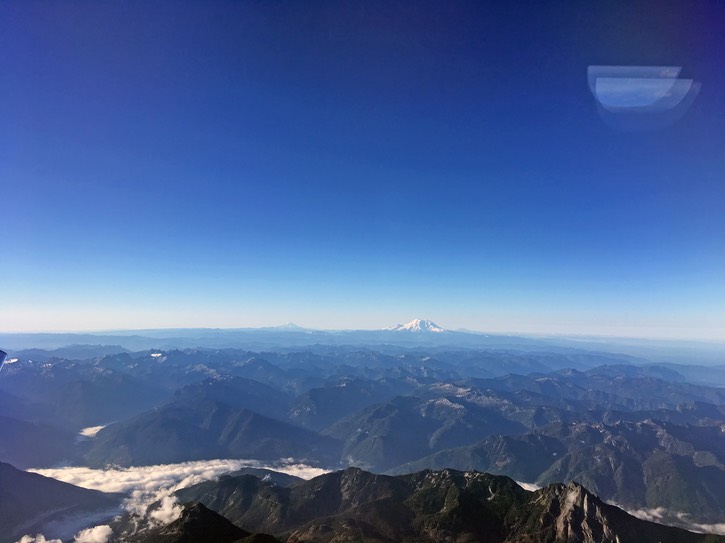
661, 515
152, 478
147, 485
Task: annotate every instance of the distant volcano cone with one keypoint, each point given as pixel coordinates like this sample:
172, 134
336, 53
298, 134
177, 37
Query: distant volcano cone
418, 326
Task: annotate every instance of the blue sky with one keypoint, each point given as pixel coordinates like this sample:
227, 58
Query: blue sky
353, 165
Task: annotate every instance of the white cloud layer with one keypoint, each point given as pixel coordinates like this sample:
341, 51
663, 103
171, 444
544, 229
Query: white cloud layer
97, 534
147, 485
40, 538
153, 478
660, 515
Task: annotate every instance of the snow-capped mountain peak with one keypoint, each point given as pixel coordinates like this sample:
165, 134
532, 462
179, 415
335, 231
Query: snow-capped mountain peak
417, 325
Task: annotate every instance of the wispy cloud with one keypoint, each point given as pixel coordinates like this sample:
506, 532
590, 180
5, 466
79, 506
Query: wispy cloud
531, 487
669, 517
718, 528
653, 515
90, 431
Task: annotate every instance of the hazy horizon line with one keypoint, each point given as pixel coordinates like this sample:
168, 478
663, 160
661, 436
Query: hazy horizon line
509, 333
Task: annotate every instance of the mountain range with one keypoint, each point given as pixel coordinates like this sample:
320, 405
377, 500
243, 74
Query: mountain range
647, 436
198, 524
424, 333
348, 505
445, 505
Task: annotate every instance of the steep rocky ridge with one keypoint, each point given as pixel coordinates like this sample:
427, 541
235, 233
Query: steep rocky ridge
446, 505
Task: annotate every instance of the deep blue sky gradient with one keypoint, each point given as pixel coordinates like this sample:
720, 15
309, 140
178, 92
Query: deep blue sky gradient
343, 165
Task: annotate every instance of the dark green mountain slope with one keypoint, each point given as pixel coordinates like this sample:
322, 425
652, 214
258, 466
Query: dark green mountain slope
447, 505
646, 464
322, 406
237, 392
198, 524
386, 435
205, 430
